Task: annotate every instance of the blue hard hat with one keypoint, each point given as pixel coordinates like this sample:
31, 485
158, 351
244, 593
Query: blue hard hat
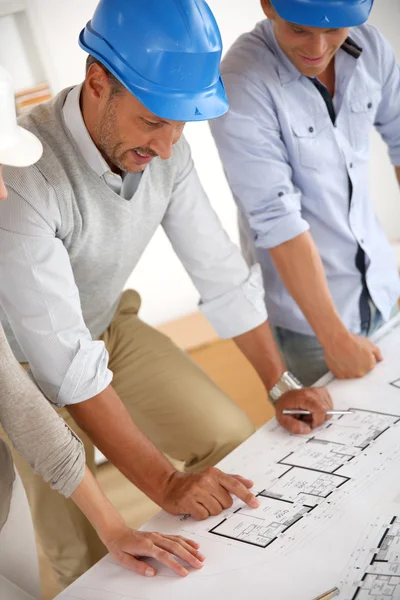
167, 53
324, 13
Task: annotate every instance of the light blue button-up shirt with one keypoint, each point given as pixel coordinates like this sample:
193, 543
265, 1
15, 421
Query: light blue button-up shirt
288, 165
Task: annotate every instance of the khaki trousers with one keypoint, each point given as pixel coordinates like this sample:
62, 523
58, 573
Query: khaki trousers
174, 403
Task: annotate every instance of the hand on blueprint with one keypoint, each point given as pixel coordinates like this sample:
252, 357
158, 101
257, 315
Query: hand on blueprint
315, 399
130, 545
204, 494
351, 356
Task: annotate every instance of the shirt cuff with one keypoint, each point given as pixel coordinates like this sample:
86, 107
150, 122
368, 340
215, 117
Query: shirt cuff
287, 228
240, 310
87, 375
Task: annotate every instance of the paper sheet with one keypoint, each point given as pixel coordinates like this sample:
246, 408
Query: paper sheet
321, 496
374, 566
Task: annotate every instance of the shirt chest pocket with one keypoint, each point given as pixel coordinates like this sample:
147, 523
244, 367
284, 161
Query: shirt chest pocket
311, 138
362, 118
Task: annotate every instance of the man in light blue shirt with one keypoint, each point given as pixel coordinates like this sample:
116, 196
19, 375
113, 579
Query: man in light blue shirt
304, 93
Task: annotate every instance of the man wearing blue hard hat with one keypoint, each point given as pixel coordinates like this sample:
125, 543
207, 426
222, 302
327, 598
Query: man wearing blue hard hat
305, 88
115, 167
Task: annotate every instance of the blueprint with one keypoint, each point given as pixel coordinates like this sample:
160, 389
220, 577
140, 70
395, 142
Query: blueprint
300, 491
373, 571
320, 518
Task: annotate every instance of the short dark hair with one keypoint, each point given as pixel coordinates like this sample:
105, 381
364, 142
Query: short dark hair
116, 86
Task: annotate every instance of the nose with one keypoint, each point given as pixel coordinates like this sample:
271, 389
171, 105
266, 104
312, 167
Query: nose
3, 189
317, 46
163, 143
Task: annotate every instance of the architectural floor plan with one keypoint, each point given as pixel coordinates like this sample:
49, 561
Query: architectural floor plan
374, 569
261, 527
329, 511
306, 477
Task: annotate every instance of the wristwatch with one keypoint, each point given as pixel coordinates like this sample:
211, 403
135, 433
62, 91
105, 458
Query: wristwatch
286, 383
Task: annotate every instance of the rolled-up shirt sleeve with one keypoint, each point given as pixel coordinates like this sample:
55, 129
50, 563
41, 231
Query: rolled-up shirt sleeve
256, 164
232, 296
388, 114
41, 301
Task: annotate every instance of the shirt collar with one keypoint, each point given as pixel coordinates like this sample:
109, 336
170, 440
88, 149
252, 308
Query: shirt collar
350, 47
287, 71
76, 125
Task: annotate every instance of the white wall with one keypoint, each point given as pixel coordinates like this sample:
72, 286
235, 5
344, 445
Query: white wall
9, 38
166, 289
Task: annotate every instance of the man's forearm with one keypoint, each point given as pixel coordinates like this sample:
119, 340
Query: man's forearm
260, 349
397, 169
300, 268
108, 424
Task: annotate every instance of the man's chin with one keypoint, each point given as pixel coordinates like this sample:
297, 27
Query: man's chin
131, 166
135, 168
311, 71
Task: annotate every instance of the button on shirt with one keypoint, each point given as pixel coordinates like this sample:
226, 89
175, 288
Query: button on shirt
289, 165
